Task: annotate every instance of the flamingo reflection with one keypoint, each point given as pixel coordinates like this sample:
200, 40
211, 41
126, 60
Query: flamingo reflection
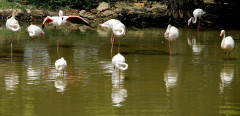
226, 74
60, 83
11, 80
196, 47
171, 76
119, 93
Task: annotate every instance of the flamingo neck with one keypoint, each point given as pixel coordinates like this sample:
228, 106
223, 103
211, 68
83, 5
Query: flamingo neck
118, 31
32, 33
194, 19
122, 66
223, 34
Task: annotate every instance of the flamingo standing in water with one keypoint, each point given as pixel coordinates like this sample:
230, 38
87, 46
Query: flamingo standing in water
227, 43
60, 21
171, 35
34, 31
12, 24
118, 29
197, 13
118, 62
61, 64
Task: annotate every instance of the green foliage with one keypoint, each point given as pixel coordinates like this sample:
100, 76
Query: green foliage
76, 4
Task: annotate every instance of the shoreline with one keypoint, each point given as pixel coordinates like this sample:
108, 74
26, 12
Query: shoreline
156, 16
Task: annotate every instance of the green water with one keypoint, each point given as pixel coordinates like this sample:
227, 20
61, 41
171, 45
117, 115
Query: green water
197, 80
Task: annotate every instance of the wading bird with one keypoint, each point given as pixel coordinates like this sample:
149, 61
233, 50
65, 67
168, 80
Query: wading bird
227, 43
118, 29
118, 62
12, 24
197, 13
34, 31
171, 35
60, 21
60, 65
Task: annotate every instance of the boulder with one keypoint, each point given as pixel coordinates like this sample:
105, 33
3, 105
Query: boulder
108, 13
103, 6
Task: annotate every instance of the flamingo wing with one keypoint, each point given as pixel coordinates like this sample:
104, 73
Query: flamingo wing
77, 20
47, 20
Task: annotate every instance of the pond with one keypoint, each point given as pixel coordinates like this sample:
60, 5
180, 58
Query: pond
196, 80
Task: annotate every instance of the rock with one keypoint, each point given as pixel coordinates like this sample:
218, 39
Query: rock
108, 13
103, 6
83, 13
28, 11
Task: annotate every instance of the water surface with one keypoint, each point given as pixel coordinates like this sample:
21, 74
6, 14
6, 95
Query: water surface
196, 80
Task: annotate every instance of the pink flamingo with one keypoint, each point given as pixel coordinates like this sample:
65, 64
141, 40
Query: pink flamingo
171, 35
197, 13
12, 24
227, 43
118, 29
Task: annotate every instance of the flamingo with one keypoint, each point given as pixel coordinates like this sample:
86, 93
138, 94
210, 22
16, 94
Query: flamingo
35, 31
60, 21
171, 35
118, 29
13, 25
118, 62
60, 64
227, 43
197, 13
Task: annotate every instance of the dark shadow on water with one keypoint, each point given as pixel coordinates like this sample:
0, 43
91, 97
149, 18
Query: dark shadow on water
149, 52
230, 59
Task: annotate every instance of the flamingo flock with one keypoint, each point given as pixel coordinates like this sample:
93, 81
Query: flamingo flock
118, 31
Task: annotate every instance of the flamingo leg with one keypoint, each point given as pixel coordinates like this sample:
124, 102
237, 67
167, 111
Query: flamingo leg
11, 46
58, 43
198, 24
112, 41
170, 48
228, 56
33, 47
119, 44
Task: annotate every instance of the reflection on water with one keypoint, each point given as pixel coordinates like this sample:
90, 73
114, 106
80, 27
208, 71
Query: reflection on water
195, 80
11, 80
119, 93
226, 74
171, 74
60, 83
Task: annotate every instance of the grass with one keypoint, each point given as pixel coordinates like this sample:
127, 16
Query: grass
16, 4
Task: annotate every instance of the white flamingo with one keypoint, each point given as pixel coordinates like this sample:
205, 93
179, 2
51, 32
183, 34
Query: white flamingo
60, 64
12, 24
60, 21
171, 35
34, 31
227, 43
118, 29
118, 62
197, 13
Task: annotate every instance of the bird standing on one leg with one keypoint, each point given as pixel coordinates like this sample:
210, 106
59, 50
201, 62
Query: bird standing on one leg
61, 64
60, 21
12, 24
34, 31
197, 13
227, 43
118, 62
171, 35
118, 29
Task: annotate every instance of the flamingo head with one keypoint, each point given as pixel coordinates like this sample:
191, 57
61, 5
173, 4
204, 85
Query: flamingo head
104, 25
166, 35
222, 32
61, 14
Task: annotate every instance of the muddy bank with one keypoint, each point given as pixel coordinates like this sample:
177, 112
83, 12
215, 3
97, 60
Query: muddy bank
158, 15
